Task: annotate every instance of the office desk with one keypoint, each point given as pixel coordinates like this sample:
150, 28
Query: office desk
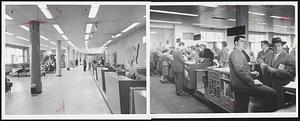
137, 100
117, 91
192, 67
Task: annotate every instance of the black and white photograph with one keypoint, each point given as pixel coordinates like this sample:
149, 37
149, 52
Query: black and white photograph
214, 58
64, 58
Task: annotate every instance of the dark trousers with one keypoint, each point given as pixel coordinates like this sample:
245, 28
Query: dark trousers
267, 94
179, 77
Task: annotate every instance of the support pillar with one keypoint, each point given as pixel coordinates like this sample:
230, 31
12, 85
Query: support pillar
35, 66
58, 58
242, 18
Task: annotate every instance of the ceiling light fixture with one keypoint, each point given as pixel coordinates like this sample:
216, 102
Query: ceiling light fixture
255, 13
88, 28
22, 38
53, 43
44, 45
231, 19
116, 35
24, 27
130, 27
45, 10
93, 11
281, 17
58, 29
8, 17
65, 37
9, 33
170, 22
171, 12
44, 37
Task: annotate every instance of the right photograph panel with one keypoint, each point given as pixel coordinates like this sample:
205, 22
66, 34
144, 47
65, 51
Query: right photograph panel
222, 58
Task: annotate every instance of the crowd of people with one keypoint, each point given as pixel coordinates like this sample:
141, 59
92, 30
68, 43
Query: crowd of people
262, 77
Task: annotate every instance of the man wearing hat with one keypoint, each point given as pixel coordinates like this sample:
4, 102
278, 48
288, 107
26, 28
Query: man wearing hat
179, 62
265, 46
272, 64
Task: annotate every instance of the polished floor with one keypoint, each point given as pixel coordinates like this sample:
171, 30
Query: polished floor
164, 100
73, 93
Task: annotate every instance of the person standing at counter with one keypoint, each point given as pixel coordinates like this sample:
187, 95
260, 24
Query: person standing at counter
216, 51
102, 61
265, 46
178, 62
206, 53
224, 55
84, 65
165, 58
242, 82
271, 65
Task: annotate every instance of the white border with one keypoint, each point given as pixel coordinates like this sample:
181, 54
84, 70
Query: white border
147, 116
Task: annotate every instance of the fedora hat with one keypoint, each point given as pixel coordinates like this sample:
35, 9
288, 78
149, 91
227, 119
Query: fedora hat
265, 42
277, 40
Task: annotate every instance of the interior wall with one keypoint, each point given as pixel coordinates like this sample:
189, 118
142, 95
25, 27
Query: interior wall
126, 49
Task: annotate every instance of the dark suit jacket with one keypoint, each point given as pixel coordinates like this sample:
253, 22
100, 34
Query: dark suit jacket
279, 77
178, 61
263, 53
241, 79
207, 53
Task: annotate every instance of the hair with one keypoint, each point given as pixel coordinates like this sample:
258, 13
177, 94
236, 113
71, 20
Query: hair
237, 38
181, 44
203, 45
224, 43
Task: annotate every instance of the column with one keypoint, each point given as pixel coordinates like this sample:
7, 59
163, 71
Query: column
242, 18
58, 58
270, 33
35, 67
68, 58
270, 36
73, 58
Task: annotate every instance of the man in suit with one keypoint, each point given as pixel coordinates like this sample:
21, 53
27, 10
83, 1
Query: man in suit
224, 55
265, 46
242, 82
272, 65
206, 53
178, 62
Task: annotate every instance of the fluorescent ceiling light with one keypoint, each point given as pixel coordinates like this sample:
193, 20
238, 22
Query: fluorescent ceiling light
65, 37
8, 17
210, 5
58, 29
45, 10
86, 42
198, 24
116, 35
9, 33
24, 27
88, 28
231, 19
44, 37
86, 36
175, 13
22, 38
130, 27
255, 13
170, 22
44, 45
53, 43
281, 17
152, 32
93, 11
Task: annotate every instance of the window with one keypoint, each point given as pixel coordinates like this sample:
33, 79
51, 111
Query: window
14, 55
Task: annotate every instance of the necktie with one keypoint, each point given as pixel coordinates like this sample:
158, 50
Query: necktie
274, 60
246, 55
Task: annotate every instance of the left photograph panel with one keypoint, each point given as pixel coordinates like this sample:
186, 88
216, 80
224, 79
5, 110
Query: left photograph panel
68, 58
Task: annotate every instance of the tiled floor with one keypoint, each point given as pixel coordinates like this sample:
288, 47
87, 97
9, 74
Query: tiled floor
164, 100
75, 90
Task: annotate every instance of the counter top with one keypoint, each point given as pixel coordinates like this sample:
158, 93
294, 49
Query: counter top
121, 77
225, 70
